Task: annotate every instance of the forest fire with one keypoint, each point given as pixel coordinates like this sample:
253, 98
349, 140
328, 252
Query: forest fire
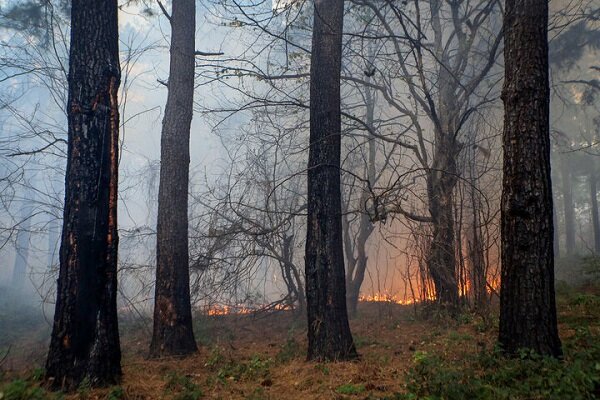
222, 310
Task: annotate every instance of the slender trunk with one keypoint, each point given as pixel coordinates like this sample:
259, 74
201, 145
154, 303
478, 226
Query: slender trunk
329, 336
22, 251
85, 336
173, 333
355, 274
476, 253
53, 235
569, 208
556, 231
594, 208
527, 303
290, 274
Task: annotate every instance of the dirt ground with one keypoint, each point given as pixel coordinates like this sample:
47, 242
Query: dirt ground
262, 356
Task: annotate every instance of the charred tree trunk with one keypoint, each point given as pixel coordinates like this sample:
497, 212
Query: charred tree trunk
527, 303
594, 207
329, 336
85, 337
569, 208
173, 333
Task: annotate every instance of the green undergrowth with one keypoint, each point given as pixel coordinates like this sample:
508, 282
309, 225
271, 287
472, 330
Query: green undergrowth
492, 376
29, 388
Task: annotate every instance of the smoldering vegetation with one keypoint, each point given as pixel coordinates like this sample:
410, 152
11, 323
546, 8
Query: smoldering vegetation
420, 169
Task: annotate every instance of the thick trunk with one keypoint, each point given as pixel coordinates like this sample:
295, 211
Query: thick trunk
569, 208
594, 208
173, 333
85, 336
441, 261
329, 336
527, 303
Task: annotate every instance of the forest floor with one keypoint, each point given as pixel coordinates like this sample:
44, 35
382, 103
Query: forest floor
402, 356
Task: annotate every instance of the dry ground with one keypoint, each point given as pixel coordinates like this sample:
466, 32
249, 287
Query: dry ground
263, 356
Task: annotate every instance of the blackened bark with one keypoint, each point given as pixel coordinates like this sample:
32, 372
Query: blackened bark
329, 336
173, 333
527, 303
85, 336
594, 207
569, 208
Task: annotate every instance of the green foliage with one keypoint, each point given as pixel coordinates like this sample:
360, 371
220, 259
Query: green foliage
116, 393
21, 389
183, 386
350, 389
491, 376
232, 370
84, 388
322, 368
591, 267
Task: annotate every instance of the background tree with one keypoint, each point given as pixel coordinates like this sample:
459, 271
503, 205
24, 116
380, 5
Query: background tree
85, 336
173, 333
527, 304
329, 336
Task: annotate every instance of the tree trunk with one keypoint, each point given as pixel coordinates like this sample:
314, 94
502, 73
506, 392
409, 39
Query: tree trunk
357, 265
594, 207
85, 336
569, 208
441, 261
173, 333
22, 251
476, 254
527, 303
329, 336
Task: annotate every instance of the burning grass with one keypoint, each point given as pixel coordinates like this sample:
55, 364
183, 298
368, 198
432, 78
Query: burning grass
403, 356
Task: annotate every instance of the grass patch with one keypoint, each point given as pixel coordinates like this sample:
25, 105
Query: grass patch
182, 387
26, 389
350, 389
493, 377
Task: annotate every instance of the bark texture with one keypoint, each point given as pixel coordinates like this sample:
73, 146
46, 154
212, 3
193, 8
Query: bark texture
173, 333
329, 336
527, 303
85, 336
